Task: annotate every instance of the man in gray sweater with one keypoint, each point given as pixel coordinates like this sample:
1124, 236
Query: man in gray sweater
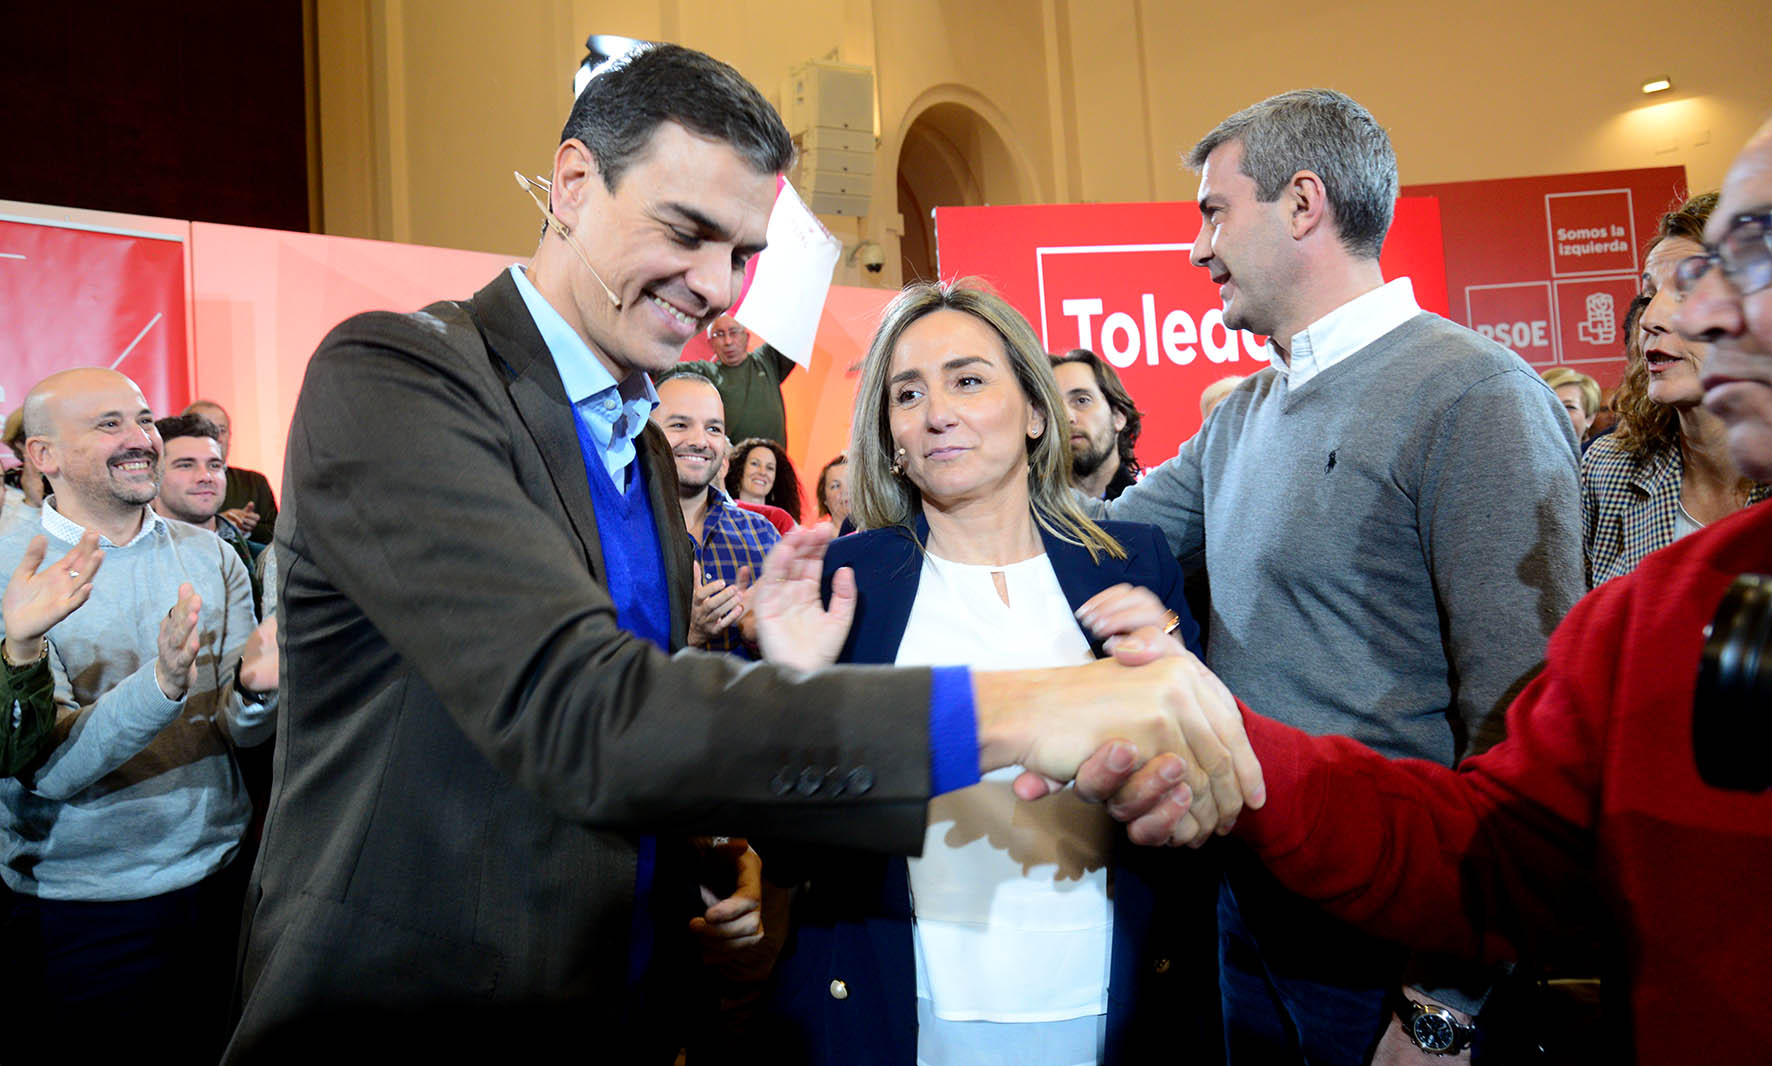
1389, 516
117, 845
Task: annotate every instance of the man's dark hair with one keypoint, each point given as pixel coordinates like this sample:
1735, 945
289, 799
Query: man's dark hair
628, 97
187, 426
1107, 379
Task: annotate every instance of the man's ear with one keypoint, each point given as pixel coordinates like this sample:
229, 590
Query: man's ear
41, 452
574, 169
1119, 421
1308, 203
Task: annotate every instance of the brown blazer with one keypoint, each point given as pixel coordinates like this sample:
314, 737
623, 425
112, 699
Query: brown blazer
468, 742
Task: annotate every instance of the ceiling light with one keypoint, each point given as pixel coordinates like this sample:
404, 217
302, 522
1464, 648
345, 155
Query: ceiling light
1657, 85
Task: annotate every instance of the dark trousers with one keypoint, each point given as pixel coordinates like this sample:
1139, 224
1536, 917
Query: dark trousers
1297, 985
144, 979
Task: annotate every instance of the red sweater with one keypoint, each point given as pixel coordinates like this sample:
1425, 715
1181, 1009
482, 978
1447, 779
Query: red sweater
1591, 809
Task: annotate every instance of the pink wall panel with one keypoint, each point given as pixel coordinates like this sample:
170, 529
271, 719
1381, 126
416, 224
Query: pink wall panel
263, 300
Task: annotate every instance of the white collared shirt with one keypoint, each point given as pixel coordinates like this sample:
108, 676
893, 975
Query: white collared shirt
1346, 330
614, 413
64, 528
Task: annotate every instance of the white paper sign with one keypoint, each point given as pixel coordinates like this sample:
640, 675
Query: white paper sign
786, 295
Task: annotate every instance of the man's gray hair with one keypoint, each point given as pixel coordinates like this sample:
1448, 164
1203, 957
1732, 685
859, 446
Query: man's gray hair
1327, 133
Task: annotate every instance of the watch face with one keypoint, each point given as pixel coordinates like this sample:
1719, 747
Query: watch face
1433, 1032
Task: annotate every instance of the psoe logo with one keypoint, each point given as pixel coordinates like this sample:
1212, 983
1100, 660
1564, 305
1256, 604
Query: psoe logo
1136, 304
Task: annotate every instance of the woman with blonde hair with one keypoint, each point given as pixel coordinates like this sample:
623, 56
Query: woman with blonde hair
997, 944
1665, 470
1579, 395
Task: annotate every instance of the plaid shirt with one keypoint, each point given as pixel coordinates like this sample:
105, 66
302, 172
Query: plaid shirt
731, 537
1628, 506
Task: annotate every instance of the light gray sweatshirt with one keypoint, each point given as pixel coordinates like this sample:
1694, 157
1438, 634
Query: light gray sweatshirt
141, 794
1390, 545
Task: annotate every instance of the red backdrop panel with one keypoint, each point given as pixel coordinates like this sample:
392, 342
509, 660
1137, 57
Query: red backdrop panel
1548, 265
78, 296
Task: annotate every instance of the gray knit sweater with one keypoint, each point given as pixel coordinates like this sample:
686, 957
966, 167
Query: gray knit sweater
1389, 545
141, 795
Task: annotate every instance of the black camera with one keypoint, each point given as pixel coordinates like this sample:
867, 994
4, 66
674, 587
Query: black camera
1732, 705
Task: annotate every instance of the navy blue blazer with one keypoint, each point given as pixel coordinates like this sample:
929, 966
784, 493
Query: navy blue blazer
845, 984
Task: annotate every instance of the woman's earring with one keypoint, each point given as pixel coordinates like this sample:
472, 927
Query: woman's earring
898, 463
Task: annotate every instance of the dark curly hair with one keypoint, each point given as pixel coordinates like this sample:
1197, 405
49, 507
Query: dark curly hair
785, 493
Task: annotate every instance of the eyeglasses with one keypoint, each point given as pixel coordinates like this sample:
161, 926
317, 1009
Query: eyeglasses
1744, 254
724, 334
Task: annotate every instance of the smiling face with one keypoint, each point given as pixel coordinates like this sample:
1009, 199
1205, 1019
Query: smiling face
1738, 374
1673, 361
1244, 244
671, 242
758, 475
954, 405
102, 450
195, 479
694, 423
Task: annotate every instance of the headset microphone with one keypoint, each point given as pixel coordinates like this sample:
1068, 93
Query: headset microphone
534, 186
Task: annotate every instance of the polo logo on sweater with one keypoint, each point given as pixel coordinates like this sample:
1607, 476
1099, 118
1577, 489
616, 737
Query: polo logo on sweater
1330, 465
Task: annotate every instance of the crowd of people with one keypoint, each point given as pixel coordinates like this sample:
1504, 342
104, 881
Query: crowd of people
547, 713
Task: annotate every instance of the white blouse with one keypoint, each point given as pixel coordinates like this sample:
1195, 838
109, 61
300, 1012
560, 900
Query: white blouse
1014, 922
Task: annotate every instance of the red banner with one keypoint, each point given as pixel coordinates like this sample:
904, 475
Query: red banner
1115, 278
79, 296
1548, 265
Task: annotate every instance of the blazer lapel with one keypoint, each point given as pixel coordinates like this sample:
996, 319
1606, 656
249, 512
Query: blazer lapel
1081, 577
673, 538
535, 389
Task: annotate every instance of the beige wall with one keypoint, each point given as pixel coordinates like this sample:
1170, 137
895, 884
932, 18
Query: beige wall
427, 105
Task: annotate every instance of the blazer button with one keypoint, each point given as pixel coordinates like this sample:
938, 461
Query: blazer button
859, 780
783, 782
839, 990
811, 780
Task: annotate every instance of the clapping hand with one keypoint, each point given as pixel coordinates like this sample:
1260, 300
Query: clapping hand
176, 666
35, 600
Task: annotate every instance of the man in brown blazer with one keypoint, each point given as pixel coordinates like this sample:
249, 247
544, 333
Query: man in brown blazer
483, 568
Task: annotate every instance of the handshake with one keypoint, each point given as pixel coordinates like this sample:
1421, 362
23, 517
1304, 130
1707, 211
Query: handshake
1150, 732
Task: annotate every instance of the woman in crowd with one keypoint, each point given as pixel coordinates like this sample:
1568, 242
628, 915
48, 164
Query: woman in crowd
1580, 396
997, 944
761, 473
1665, 470
833, 495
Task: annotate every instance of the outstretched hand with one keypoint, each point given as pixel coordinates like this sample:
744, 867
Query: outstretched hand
36, 600
793, 625
1176, 793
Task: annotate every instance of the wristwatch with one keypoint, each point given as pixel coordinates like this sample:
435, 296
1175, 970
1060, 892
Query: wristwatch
255, 699
1433, 1028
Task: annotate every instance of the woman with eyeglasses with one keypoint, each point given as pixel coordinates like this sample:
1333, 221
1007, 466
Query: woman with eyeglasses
1665, 470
